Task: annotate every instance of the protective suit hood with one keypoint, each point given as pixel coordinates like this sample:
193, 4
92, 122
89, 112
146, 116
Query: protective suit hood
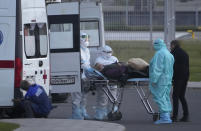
158, 44
106, 52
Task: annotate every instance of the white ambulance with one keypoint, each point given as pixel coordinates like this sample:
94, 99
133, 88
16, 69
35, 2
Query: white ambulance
24, 47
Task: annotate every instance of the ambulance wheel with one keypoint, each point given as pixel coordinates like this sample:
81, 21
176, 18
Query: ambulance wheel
59, 97
113, 116
156, 116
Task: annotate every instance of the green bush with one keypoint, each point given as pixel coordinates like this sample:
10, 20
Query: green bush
8, 126
125, 50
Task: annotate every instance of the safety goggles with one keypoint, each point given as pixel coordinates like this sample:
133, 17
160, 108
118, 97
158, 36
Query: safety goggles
107, 52
85, 36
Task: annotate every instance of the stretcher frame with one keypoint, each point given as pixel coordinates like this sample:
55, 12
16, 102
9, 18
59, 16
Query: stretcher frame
136, 83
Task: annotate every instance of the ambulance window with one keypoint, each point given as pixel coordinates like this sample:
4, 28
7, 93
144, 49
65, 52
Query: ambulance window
92, 29
35, 40
43, 39
29, 40
61, 36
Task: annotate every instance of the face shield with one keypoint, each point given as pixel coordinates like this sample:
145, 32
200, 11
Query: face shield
84, 39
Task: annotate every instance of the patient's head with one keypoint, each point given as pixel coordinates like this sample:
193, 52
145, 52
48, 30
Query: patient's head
99, 67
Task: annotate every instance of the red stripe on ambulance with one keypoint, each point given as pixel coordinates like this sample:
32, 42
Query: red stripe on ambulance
7, 64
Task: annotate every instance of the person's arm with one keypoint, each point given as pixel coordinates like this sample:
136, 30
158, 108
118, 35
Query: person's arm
85, 59
187, 64
158, 67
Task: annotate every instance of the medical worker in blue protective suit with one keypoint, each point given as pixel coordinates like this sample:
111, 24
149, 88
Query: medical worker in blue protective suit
36, 102
79, 98
160, 75
103, 107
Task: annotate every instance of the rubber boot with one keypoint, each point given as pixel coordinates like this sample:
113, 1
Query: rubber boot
164, 119
101, 114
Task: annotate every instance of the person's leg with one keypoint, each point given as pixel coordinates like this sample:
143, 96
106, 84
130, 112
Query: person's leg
76, 100
101, 106
27, 106
113, 90
161, 97
83, 105
184, 102
83, 102
175, 97
169, 104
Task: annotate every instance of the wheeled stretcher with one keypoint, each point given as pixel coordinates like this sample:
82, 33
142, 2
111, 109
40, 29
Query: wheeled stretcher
116, 100
138, 83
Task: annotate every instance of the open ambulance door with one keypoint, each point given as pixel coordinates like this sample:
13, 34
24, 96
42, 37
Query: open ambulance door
64, 47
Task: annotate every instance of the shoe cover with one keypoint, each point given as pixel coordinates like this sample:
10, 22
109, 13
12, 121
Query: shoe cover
101, 114
76, 113
164, 119
85, 114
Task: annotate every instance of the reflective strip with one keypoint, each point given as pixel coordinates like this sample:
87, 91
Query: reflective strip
7, 64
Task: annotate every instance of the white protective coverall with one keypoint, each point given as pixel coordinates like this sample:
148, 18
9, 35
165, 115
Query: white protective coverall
103, 107
79, 98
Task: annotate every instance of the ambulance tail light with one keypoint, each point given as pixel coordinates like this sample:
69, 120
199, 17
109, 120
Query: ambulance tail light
18, 72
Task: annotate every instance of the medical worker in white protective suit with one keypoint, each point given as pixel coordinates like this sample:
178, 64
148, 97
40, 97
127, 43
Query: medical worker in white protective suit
160, 76
79, 98
103, 107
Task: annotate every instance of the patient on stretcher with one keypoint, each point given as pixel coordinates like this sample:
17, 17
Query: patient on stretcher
116, 71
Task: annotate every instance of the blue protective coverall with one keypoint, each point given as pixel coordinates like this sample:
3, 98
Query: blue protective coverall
160, 75
40, 102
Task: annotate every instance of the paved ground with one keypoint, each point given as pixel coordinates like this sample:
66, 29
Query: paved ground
64, 125
135, 117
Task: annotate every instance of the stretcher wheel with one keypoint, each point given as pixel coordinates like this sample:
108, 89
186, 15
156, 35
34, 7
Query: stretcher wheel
156, 116
112, 116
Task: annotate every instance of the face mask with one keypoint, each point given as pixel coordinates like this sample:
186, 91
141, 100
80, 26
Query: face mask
157, 47
86, 43
107, 55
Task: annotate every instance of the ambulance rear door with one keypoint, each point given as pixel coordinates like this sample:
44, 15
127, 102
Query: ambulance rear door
91, 22
64, 47
35, 42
